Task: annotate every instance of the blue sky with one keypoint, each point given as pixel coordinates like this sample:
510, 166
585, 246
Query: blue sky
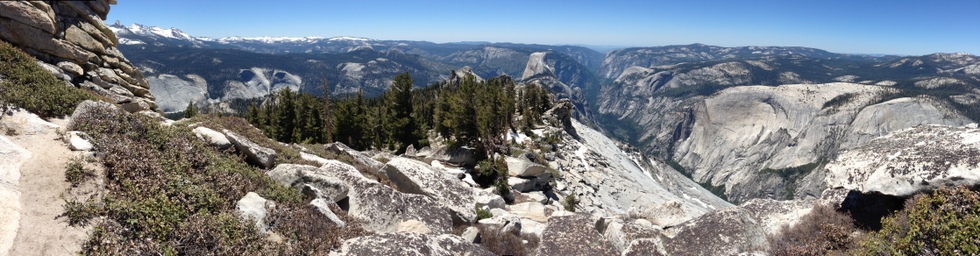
862, 26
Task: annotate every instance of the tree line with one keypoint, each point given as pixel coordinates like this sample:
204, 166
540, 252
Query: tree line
469, 113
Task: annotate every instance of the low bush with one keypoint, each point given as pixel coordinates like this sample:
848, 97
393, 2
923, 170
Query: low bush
505, 243
483, 214
947, 222
824, 231
27, 85
75, 172
169, 193
309, 231
570, 202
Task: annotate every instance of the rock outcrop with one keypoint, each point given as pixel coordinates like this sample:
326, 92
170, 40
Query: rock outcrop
419, 178
575, 235
910, 161
610, 178
254, 153
12, 156
382, 208
768, 142
73, 42
411, 244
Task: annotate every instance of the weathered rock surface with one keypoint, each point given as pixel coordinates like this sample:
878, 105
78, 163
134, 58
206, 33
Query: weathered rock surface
487, 199
257, 155
664, 215
729, 231
419, 178
774, 214
609, 178
24, 122
518, 167
575, 235
323, 206
79, 141
382, 208
12, 156
72, 38
254, 207
741, 131
459, 156
212, 137
374, 167
173, 93
411, 244
910, 161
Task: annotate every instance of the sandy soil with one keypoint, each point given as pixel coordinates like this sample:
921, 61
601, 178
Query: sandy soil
42, 183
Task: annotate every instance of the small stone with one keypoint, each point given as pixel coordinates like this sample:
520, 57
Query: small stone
79, 141
472, 235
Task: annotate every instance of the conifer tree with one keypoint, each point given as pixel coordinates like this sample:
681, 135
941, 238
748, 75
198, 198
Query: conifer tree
285, 115
398, 102
327, 120
190, 111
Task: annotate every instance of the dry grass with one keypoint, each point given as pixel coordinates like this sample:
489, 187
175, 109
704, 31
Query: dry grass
503, 243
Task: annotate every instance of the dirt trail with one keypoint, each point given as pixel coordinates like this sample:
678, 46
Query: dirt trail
42, 182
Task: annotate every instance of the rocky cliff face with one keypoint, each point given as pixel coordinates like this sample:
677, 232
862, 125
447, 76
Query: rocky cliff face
769, 117
564, 78
759, 140
74, 43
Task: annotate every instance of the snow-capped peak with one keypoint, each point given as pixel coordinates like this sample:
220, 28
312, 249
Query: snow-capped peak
137, 29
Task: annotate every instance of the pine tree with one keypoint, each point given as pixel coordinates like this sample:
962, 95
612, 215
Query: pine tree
327, 120
398, 102
285, 116
253, 116
190, 111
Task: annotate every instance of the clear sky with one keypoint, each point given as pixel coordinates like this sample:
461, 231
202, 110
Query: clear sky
843, 26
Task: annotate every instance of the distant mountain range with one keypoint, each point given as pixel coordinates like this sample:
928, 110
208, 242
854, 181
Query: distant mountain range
680, 103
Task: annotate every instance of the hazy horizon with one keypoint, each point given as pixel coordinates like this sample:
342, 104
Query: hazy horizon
864, 27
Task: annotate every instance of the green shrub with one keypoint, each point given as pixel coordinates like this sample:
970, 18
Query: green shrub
25, 84
947, 222
570, 202
75, 172
483, 214
79, 213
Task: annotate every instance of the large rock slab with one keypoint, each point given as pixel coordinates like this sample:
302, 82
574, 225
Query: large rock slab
382, 208
255, 154
212, 137
416, 177
729, 231
910, 161
21, 121
371, 166
741, 131
518, 167
12, 156
411, 244
456, 156
575, 235
252, 206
